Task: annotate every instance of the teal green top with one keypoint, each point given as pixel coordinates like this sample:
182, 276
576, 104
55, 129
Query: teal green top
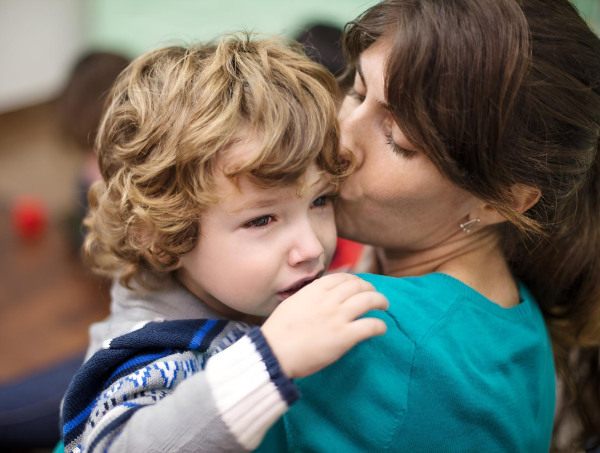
455, 372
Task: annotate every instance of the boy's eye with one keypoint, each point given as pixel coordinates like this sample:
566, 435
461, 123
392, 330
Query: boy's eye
259, 222
321, 201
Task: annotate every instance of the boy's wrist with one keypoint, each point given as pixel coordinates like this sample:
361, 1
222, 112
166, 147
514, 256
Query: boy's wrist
272, 333
249, 388
288, 390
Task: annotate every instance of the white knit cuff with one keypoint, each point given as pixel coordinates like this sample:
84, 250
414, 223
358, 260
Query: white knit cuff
250, 390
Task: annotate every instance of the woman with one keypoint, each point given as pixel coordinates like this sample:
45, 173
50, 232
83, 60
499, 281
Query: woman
475, 125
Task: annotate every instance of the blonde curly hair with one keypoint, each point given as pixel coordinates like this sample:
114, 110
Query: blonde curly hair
171, 117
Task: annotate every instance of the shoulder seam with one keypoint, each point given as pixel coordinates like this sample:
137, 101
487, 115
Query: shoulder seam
443, 321
401, 417
400, 327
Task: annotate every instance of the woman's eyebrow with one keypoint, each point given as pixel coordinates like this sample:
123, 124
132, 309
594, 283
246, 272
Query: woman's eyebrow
360, 73
382, 104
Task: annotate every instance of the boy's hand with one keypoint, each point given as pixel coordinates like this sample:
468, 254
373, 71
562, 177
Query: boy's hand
317, 325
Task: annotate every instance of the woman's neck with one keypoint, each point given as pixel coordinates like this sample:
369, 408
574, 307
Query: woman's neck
475, 259
451, 252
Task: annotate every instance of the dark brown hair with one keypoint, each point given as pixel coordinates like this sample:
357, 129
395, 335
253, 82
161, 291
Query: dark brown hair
82, 102
505, 92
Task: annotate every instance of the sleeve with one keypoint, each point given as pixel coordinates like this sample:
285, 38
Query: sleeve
169, 405
356, 404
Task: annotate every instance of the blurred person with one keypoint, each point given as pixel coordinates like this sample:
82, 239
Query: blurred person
215, 211
323, 44
29, 407
79, 112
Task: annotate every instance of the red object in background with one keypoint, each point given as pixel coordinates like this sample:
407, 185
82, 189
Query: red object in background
29, 217
347, 254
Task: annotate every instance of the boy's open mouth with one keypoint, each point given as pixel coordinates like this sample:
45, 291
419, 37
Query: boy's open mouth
297, 287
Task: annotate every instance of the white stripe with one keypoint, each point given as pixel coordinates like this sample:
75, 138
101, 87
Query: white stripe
248, 401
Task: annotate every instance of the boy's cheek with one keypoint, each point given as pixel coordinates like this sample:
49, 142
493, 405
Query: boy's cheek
330, 243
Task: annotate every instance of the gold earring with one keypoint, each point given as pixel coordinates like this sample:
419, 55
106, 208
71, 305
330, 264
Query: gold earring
466, 227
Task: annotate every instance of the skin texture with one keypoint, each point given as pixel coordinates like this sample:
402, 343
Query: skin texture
391, 191
397, 201
317, 325
248, 255
257, 245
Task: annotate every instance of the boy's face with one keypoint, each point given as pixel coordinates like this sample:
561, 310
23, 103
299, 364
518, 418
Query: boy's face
257, 246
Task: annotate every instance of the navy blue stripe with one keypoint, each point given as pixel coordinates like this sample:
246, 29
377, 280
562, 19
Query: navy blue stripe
286, 387
74, 425
174, 334
81, 417
85, 387
212, 334
200, 334
134, 349
114, 425
92, 377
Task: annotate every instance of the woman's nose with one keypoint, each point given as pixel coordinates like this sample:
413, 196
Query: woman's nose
306, 248
350, 132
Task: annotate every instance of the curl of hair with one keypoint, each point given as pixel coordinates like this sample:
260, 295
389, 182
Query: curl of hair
169, 121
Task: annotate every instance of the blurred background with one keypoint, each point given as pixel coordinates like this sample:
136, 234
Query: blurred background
58, 58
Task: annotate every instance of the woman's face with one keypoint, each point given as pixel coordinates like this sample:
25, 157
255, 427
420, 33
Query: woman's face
396, 198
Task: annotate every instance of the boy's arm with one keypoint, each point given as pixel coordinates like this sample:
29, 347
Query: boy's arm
227, 407
307, 332
357, 404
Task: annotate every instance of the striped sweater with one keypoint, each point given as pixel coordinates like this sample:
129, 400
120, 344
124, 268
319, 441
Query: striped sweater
174, 385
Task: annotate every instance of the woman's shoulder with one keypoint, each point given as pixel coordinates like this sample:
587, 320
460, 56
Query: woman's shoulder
447, 358
417, 304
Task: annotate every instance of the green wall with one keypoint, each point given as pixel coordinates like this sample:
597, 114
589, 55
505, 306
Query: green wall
590, 10
136, 26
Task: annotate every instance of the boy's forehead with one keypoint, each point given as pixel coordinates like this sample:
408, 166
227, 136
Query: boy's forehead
241, 150
245, 194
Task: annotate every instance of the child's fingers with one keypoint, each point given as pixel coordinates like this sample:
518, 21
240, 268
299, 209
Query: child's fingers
361, 303
328, 282
365, 328
349, 288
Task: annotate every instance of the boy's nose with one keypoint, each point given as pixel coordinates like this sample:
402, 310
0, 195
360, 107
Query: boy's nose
307, 247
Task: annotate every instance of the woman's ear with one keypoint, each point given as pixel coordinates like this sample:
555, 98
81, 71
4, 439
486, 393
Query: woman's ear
523, 198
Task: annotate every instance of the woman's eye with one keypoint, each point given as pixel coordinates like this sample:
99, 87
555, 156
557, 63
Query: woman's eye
407, 153
259, 222
353, 94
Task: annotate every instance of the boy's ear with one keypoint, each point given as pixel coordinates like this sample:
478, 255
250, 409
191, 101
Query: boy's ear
151, 252
155, 253
523, 198
178, 265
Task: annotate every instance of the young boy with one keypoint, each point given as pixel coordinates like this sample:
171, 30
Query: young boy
219, 165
